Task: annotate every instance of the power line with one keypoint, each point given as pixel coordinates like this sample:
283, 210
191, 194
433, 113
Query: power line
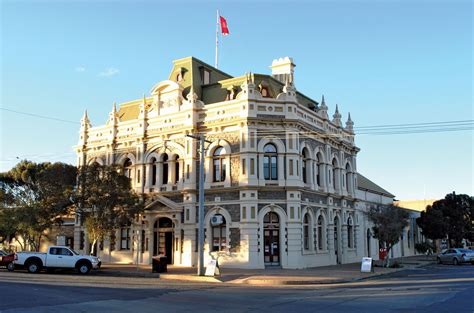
389, 129
40, 116
416, 124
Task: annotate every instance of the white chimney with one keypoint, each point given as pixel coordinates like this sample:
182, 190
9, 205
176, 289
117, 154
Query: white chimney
283, 69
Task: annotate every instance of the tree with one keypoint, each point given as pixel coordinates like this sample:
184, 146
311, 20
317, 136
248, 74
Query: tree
451, 218
34, 197
389, 222
104, 200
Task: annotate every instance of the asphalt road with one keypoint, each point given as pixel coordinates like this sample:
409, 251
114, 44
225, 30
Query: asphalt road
437, 288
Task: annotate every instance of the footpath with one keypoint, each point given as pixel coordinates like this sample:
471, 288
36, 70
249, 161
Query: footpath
270, 276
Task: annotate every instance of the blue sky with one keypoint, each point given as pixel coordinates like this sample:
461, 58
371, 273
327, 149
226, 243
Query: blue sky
386, 62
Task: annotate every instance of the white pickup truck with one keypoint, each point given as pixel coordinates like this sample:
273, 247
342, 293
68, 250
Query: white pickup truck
57, 257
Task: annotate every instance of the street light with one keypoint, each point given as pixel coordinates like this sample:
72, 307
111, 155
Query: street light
202, 140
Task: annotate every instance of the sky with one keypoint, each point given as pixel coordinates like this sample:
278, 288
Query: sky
385, 62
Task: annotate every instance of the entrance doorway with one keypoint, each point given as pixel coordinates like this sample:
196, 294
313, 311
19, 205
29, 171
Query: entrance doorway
336, 240
271, 239
163, 238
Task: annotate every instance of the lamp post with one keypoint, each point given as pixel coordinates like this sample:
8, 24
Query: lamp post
202, 141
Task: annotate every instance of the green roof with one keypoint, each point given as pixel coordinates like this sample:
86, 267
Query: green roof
364, 183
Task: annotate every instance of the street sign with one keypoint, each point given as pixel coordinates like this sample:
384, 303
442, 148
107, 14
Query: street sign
366, 266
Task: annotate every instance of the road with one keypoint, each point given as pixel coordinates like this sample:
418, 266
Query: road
437, 288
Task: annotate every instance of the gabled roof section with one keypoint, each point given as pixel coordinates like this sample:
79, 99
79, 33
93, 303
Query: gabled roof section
363, 183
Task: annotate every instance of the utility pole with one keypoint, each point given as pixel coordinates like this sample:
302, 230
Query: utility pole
202, 140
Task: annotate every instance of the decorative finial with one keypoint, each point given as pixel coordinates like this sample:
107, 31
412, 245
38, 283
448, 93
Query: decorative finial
349, 123
85, 122
337, 117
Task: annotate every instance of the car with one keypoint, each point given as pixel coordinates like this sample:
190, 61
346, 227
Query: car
456, 256
6, 259
56, 257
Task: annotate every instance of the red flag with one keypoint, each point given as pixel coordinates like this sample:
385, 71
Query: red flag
224, 28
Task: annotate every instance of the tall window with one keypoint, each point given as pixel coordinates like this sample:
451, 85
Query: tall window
176, 169
127, 168
318, 170
305, 165
218, 165
350, 233
334, 166
125, 237
306, 232
165, 169
153, 171
270, 169
320, 233
219, 234
347, 181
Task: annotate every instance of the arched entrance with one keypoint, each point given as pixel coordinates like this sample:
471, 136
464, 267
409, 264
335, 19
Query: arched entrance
271, 239
163, 237
336, 240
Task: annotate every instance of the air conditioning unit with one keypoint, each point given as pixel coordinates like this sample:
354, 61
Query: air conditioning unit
217, 220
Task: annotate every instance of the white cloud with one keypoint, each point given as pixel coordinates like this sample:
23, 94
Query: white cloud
111, 71
80, 69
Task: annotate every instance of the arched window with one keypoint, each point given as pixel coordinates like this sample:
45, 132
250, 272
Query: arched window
306, 232
176, 169
218, 165
165, 169
270, 166
219, 233
304, 164
153, 171
127, 168
350, 233
318, 170
347, 177
321, 228
334, 166
264, 91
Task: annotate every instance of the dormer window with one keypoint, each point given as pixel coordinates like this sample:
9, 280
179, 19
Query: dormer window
206, 76
179, 77
264, 89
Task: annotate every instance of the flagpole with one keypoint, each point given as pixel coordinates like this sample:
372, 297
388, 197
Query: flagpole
217, 40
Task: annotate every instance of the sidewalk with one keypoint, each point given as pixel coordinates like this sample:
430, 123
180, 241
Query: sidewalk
271, 276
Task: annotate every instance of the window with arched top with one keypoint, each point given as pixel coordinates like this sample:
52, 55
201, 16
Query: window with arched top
347, 177
270, 165
306, 231
264, 91
304, 164
321, 228
176, 169
350, 233
127, 168
219, 233
165, 172
334, 169
317, 170
153, 171
218, 165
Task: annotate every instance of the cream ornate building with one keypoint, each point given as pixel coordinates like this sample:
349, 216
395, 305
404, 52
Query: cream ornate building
281, 181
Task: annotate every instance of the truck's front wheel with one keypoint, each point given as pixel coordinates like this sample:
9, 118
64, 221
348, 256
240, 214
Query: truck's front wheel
83, 268
33, 267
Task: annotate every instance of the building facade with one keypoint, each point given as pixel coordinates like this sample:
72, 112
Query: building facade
281, 181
